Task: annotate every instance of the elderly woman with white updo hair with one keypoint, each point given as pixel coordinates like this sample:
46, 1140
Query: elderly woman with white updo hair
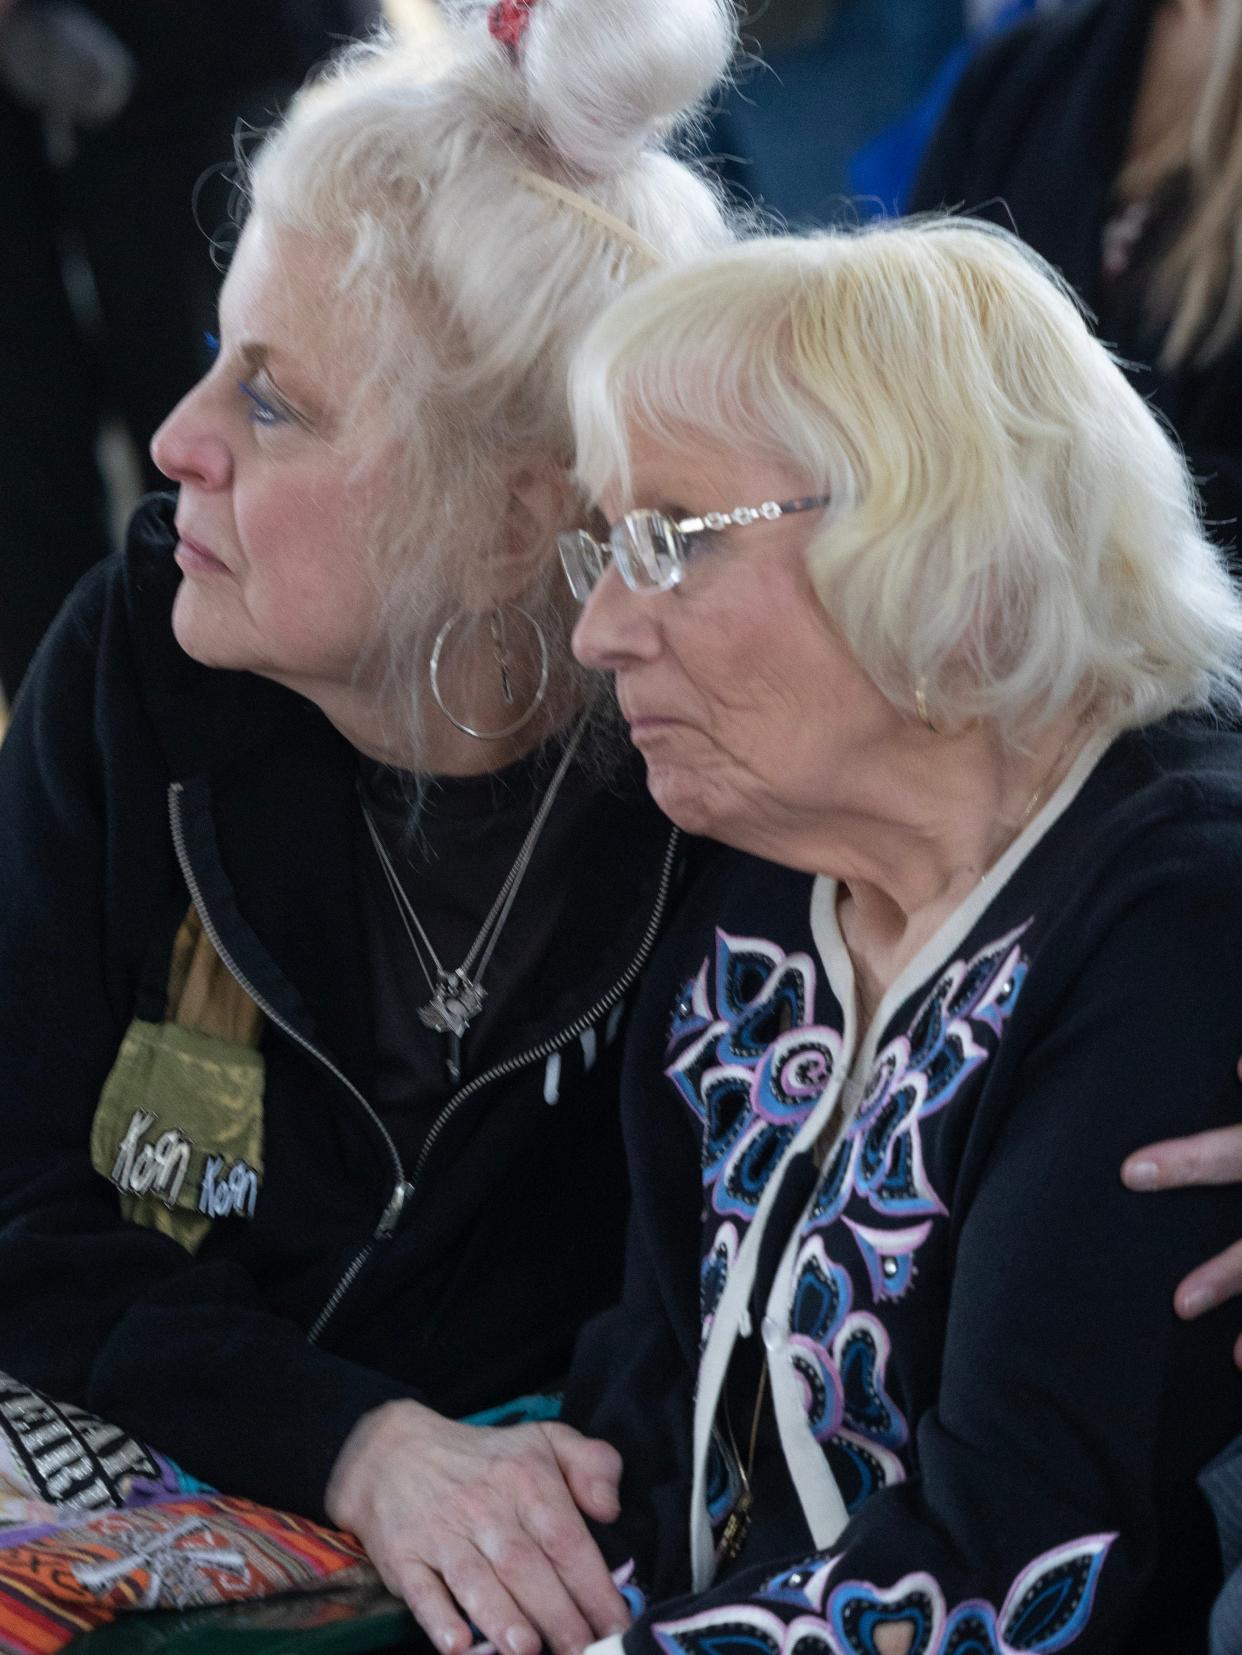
325, 882
907, 602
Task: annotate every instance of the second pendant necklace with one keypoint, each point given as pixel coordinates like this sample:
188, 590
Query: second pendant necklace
457, 993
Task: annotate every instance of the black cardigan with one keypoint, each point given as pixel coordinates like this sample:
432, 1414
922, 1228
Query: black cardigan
990, 1418
1034, 139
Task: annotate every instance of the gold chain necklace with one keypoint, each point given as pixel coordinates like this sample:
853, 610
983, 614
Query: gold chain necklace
868, 1004
1081, 725
737, 1525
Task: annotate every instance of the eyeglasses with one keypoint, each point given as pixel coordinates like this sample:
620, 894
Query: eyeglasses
651, 551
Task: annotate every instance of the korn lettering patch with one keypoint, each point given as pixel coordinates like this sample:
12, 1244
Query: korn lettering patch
179, 1130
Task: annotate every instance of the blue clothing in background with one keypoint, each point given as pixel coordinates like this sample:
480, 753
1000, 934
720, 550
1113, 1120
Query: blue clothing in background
1222, 1483
882, 173
785, 135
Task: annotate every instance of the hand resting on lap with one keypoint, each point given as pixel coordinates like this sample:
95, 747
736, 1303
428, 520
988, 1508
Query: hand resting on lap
485, 1523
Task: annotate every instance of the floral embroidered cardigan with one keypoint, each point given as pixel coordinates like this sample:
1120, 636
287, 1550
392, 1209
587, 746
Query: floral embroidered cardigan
983, 1422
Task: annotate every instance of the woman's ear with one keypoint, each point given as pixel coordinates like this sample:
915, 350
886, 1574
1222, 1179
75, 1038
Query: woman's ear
541, 500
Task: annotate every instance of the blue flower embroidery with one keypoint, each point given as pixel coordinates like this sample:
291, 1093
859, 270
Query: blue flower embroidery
1046, 1609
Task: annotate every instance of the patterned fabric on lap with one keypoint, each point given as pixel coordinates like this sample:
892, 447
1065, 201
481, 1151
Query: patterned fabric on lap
94, 1524
56, 1458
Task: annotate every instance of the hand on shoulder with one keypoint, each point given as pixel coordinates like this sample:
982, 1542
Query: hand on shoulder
1176, 1163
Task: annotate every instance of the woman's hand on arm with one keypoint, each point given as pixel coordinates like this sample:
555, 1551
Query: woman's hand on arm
1176, 1163
485, 1523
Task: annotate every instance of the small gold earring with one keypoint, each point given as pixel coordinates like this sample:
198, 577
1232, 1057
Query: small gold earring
920, 706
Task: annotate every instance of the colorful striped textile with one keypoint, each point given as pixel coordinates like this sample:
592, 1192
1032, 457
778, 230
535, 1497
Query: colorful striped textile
94, 1525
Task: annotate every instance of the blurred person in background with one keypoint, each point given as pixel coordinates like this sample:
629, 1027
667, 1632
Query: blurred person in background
883, 171
834, 72
323, 895
1110, 137
111, 112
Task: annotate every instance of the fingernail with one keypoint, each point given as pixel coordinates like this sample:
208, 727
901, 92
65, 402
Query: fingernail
516, 1642
618, 1629
1199, 1299
1142, 1175
604, 1494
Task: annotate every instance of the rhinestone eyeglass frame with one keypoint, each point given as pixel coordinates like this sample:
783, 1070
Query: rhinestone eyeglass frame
584, 558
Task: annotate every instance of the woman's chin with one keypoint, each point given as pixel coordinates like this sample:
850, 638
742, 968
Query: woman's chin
681, 796
203, 632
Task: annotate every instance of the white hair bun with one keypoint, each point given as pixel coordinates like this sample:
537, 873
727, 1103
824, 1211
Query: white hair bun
601, 77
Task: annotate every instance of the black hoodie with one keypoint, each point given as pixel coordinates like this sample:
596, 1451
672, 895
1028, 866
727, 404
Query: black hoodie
131, 781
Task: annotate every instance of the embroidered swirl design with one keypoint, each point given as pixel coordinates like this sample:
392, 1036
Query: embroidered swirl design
1046, 1609
751, 1068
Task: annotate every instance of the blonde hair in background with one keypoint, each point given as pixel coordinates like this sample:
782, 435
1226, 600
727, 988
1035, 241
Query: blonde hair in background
1196, 292
485, 212
1010, 529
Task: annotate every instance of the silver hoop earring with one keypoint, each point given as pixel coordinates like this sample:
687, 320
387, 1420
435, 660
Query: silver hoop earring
497, 632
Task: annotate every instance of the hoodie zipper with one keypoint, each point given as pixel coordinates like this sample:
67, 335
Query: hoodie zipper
571, 1032
395, 1205
403, 1189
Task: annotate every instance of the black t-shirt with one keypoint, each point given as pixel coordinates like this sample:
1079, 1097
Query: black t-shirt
452, 841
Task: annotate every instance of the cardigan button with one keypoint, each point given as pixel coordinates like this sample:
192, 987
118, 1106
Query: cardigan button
773, 1333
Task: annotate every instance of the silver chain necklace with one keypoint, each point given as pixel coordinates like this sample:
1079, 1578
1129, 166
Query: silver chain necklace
457, 995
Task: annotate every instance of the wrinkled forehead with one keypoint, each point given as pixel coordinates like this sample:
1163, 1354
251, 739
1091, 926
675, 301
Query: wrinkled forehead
681, 432
666, 375
287, 304
664, 470
284, 288
690, 472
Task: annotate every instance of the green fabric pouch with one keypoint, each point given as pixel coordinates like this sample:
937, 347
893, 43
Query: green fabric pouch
179, 1130
179, 1126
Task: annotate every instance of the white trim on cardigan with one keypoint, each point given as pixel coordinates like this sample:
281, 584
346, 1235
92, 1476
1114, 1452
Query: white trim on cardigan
823, 1505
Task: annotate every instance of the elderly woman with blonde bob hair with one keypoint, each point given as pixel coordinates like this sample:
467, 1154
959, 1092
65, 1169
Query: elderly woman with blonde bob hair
907, 602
